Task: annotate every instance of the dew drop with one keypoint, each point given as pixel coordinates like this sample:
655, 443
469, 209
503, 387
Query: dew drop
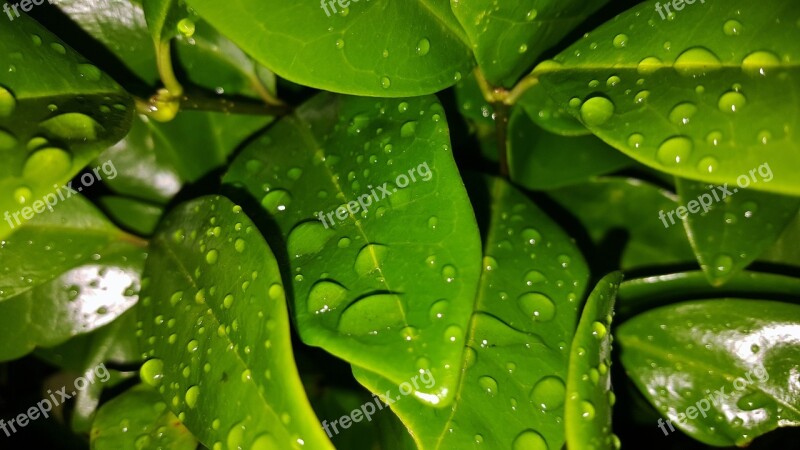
537, 306
386, 83
449, 273
22, 194
276, 201
732, 28
339, 44
325, 296
488, 385
732, 102
697, 61
7, 102
152, 372
674, 151
587, 410
7, 140
212, 256
423, 47
649, 65
90, 72
723, 264
635, 140
370, 259
682, 113
596, 111
620, 41
709, 164
408, 129
529, 440
548, 393
191, 396
760, 63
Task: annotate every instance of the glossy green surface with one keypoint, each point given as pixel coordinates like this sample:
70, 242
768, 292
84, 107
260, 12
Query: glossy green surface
729, 234
705, 95
137, 420
724, 371
57, 112
214, 326
367, 282
423, 49
508, 36
514, 369
588, 408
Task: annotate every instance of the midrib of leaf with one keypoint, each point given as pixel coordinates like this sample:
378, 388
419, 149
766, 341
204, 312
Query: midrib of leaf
311, 144
637, 343
183, 269
634, 66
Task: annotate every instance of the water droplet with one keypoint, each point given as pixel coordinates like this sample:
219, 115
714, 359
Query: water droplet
339, 44
408, 129
714, 138
530, 16
240, 245
596, 111
529, 440
598, 330
635, 140
620, 41
732, 27
7, 140
531, 236
72, 127
308, 238
7, 102
537, 306
613, 81
50, 163
191, 396
534, 277
674, 151
682, 113
423, 47
522, 48
760, 63
344, 242
548, 393
489, 263
152, 372
325, 296
488, 385
192, 346
276, 201
22, 194
449, 273
433, 221
649, 65
370, 259
587, 410
212, 256
709, 164
722, 264
90, 72
386, 83
697, 61
265, 442
453, 334
641, 97
402, 107
294, 173
732, 102
58, 48
438, 310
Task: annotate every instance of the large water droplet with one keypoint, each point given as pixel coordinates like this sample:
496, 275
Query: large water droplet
587, 410
548, 393
408, 129
732, 102
722, 264
760, 63
537, 306
620, 41
90, 72
325, 296
732, 27
7, 102
276, 201
682, 113
488, 385
308, 238
370, 259
49, 163
191, 396
649, 65
697, 61
423, 47
596, 111
72, 127
7, 140
529, 440
675, 150
152, 372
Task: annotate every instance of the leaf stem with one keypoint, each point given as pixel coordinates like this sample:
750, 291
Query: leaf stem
524, 84
165, 70
501, 120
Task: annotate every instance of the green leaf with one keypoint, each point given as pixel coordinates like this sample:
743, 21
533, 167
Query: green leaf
587, 413
77, 302
427, 52
545, 112
139, 217
366, 279
208, 59
734, 359
215, 324
66, 238
57, 112
701, 96
730, 227
786, 250
513, 390
156, 159
509, 36
640, 294
162, 18
540, 160
608, 205
147, 424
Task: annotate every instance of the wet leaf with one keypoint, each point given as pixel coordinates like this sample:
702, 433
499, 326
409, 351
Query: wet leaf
587, 413
729, 227
701, 95
515, 365
215, 327
366, 281
724, 371
57, 112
